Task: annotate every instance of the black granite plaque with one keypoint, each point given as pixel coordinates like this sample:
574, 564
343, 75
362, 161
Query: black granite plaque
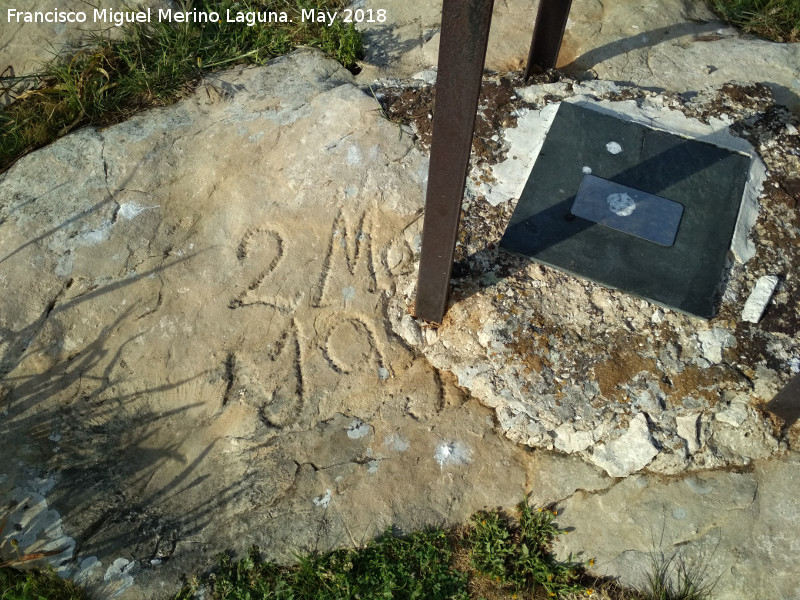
705, 180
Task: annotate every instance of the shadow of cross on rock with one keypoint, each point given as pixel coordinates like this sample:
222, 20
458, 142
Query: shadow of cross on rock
281, 283
203, 278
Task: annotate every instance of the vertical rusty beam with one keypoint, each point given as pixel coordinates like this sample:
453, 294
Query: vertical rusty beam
462, 52
786, 404
551, 21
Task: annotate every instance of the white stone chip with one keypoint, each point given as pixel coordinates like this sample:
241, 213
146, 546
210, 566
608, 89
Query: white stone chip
118, 568
86, 570
713, 342
118, 578
734, 415
687, 429
632, 451
794, 364
759, 298
410, 331
569, 440
426, 75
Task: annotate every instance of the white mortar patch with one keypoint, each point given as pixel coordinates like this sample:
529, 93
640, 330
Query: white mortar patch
396, 442
452, 453
348, 293
621, 205
118, 577
358, 429
354, 156
525, 142
324, 500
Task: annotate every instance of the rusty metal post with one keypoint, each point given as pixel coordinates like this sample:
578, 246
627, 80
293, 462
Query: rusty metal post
462, 52
551, 21
786, 404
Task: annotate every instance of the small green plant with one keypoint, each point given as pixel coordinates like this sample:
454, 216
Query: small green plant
519, 554
670, 578
776, 20
37, 585
491, 543
424, 565
416, 567
496, 556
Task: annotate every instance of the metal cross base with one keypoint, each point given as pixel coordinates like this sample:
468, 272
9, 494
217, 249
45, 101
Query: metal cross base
786, 404
462, 52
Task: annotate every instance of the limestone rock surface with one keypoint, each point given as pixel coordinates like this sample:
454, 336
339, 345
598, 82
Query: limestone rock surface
726, 526
209, 339
197, 355
676, 45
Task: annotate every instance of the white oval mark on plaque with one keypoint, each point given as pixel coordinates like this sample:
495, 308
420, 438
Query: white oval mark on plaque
613, 147
621, 205
586, 170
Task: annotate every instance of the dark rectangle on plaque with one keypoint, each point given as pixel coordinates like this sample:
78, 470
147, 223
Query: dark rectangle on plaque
628, 210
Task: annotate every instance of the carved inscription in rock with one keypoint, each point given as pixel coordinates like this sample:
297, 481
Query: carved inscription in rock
322, 325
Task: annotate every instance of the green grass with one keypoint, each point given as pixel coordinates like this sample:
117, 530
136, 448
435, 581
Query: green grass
156, 64
42, 585
670, 578
391, 567
496, 556
517, 554
776, 20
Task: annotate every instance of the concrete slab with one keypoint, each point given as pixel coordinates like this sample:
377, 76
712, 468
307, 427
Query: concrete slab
707, 180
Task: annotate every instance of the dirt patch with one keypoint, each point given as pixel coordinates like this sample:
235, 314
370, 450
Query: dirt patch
620, 369
532, 348
730, 101
699, 383
413, 107
497, 107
